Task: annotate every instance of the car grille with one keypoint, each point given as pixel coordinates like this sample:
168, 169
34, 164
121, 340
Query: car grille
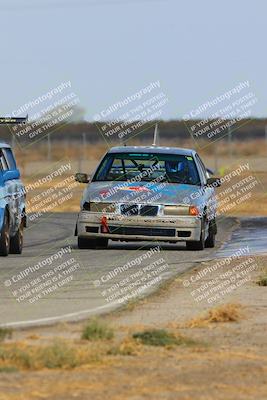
150, 211
92, 229
129, 209
134, 209
129, 230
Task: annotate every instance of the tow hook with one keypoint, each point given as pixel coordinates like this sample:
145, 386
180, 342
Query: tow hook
104, 225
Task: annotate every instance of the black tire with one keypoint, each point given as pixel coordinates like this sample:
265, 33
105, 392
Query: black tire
102, 243
86, 243
210, 241
198, 244
16, 242
5, 238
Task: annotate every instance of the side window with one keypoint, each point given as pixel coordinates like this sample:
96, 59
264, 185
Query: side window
9, 159
202, 168
3, 162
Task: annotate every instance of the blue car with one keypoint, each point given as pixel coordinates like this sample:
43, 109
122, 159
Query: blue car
12, 204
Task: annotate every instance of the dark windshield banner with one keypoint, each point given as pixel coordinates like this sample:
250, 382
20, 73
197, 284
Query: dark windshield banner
13, 120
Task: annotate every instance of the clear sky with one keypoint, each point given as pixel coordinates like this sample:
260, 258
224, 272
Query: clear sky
109, 49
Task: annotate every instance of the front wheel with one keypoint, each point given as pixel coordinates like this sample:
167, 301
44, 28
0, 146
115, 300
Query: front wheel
84, 243
197, 244
16, 242
210, 241
5, 239
102, 243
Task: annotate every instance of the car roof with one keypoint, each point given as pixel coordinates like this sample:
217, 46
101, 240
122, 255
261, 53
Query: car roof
152, 149
4, 145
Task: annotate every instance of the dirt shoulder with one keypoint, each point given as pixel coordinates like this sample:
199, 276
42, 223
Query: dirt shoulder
222, 354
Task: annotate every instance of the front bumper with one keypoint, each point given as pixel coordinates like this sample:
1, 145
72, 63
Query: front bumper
166, 228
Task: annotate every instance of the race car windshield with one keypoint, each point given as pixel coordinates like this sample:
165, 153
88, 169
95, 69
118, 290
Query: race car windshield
138, 167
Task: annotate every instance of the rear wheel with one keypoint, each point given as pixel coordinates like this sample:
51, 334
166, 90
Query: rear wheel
5, 239
16, 242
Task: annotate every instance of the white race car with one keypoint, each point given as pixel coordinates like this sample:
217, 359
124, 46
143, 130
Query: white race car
148, 193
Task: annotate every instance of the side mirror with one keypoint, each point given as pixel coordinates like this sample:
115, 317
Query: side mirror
209, 171
214, 182
82, 178
9, 175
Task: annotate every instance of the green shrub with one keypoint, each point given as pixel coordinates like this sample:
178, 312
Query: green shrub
57, 355
160, 337
96, 330
5, 333
262, 281
8, 369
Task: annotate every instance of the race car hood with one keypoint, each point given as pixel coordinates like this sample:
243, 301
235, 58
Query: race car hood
142, 193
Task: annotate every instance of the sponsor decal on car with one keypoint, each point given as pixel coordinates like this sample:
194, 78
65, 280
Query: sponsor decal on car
136, 188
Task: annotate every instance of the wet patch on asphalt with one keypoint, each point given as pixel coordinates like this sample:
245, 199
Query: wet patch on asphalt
252, 232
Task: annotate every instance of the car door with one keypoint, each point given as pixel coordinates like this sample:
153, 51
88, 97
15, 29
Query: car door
5, 187
2, 185
11, 189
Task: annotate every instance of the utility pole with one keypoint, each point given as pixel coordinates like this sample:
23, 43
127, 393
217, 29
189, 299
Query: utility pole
48, 147
156, 135
230, 143
84, 145
216, 160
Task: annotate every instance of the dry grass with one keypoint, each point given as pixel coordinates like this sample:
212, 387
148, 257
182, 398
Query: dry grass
74, 150
33, 337
225, 313
97, 344
58, 355
262, 281
128, 347
5, 333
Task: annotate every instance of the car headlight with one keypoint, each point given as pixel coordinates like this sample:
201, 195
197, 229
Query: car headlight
102, 207
86, 206
176, 210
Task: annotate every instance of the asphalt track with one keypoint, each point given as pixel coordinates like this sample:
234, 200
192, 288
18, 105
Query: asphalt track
81, 283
